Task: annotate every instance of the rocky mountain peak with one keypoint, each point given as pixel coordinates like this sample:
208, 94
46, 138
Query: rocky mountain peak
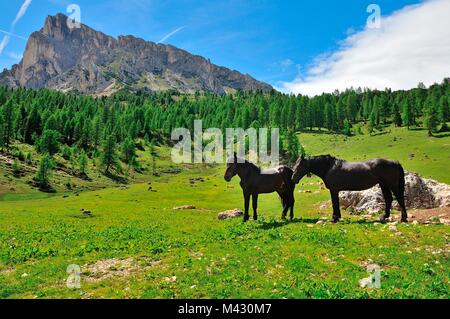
88, 61
56, 27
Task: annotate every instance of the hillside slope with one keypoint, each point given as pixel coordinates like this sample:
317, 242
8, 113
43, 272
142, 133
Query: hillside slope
428, 156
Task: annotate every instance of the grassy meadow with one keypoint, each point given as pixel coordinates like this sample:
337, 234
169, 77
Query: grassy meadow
137, 246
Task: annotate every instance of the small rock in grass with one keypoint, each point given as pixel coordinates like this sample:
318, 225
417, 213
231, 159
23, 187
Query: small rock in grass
365, 282
86, 212
234, 213
172, 279
185, 207
393, 228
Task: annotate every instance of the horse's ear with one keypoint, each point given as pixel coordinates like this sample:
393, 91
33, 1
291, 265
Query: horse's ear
303, 156
235, 156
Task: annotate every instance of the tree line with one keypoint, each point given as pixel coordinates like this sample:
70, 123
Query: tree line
108, 127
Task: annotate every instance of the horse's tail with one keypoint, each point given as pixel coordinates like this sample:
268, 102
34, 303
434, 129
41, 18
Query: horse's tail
284, 201
401, 181
287, 178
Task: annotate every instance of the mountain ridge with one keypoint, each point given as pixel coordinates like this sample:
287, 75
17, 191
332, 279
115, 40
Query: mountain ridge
91, 62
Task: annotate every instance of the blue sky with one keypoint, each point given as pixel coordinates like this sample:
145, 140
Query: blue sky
274, 41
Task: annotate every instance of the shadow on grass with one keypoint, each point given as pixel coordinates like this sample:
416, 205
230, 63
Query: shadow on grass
116, 178
273, 224
380, 133
441, 135
418, 128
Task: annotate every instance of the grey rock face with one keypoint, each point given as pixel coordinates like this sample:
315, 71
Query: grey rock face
420, 193
88, 61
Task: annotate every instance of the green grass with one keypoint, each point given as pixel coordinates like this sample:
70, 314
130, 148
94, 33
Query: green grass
40, 237
429, 156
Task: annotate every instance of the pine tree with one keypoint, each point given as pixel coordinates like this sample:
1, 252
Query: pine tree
7, 123
347, 128
153, 154
372, 122
97, 131
67, 153
44, 172
29, 158
444, 113
397, 115
2, 134
49, 142
407, 115
82, 163
16, 168
33, 125
431, 117
329, 117
340, 114
109, 155
292, 147
128, 150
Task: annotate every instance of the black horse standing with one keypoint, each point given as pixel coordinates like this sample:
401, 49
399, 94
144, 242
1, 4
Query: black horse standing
339, 175
256, 180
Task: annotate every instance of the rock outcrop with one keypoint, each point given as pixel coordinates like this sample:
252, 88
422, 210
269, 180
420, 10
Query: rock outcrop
229, 214
420, 193
84, 60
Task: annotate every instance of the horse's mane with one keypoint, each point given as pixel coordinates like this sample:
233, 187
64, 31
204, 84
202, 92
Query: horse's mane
325, 162
250, 165
253, 167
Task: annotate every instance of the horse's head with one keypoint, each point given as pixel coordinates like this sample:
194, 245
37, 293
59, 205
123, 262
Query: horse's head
231, 170
301, 169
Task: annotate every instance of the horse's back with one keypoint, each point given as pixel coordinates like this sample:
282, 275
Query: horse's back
360, 175
283, 170
370, 164
274, 179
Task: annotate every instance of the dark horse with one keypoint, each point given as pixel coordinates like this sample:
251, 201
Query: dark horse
256, 180
339, 175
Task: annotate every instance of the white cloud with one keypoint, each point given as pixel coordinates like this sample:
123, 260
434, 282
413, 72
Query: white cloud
23, 9
412, 46
14, 56
166, 37
12, 34
4, 43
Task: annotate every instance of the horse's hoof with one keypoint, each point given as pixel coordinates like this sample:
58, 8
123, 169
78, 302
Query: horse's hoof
334, 220
404, 220
383, 219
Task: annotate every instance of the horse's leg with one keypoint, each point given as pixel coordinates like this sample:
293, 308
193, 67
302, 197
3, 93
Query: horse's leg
336, 207
255, 206
401, 201
283, 203
285, 200
387, 194
292, 202
246, 206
